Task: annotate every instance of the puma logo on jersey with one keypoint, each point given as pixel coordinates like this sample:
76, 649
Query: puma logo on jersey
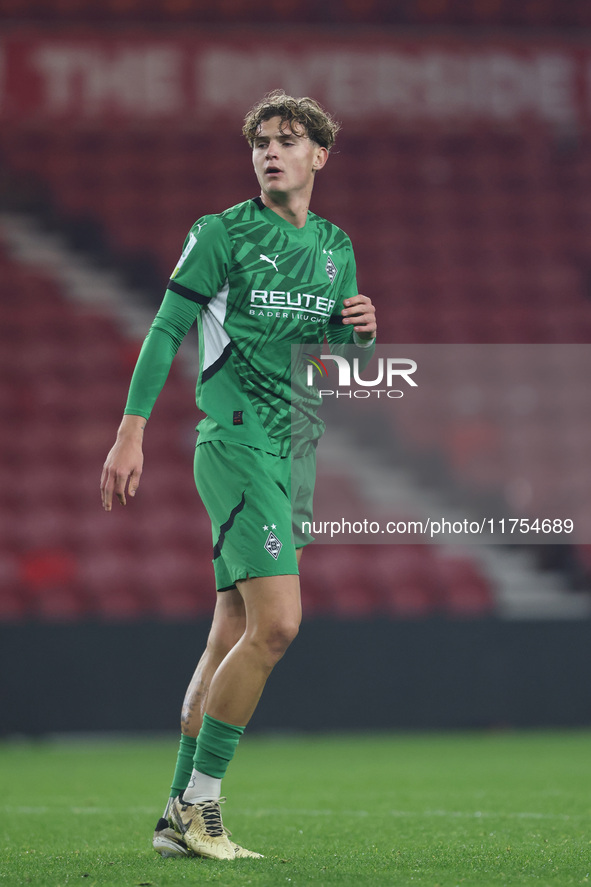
272, 262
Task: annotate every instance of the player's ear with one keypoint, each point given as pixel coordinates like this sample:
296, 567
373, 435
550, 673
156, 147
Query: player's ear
320, 158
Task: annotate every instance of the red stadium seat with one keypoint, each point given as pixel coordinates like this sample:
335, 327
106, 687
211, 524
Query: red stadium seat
14, 605
466, 592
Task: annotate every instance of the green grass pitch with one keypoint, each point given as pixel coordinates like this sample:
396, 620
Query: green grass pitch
402, 809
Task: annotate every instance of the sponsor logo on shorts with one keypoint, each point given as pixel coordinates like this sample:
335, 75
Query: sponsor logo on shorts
273, 545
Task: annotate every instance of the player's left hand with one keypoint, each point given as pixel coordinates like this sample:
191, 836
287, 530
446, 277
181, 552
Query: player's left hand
359, 311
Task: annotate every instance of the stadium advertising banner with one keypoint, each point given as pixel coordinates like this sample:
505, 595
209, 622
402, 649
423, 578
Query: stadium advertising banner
192, 80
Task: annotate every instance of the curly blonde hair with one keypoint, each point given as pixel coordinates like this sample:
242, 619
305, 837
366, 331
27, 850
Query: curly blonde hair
319, 125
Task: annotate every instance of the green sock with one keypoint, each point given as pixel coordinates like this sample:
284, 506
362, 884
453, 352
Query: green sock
184, 765
216, 745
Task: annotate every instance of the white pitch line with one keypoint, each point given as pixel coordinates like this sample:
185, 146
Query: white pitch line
410, 814
103, 811
294, 812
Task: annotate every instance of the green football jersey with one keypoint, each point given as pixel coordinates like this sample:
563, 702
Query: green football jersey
261, 286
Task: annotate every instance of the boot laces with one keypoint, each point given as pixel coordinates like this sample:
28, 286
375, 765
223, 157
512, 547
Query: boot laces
212, 818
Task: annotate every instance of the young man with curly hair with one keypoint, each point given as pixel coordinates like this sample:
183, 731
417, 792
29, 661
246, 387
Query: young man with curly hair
257, 278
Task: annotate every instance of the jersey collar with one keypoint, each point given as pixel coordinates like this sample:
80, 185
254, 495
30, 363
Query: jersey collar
278, 220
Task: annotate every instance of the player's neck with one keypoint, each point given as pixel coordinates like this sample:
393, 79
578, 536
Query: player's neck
293, 209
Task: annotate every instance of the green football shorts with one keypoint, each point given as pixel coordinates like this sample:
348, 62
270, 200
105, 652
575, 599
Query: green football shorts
248, 496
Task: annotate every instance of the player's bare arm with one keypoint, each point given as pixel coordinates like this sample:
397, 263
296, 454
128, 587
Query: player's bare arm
360, 311
123, 467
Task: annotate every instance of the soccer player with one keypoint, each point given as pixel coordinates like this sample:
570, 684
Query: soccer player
257, 278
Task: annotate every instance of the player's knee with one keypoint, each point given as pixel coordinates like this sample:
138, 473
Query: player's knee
279, 636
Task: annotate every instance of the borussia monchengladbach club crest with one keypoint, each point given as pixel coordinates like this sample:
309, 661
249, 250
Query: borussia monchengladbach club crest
331, 269
273, 545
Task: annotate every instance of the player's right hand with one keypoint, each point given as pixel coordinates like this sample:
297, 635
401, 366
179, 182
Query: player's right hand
122, 471
123, 466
